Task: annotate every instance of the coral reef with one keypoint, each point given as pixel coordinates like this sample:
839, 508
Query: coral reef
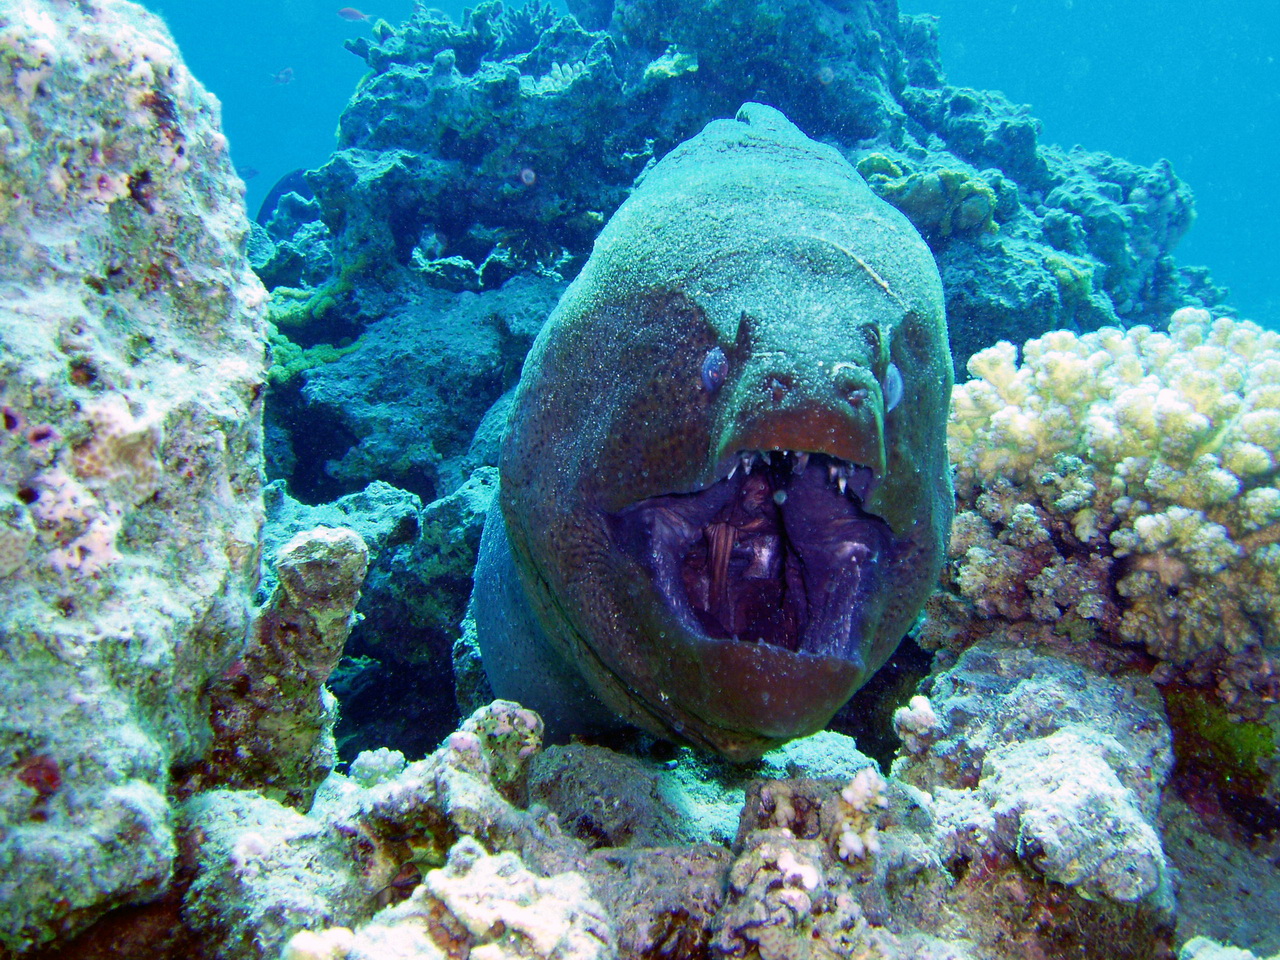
131, 374
1118, 518
272, 717
1043, 768
491, 906
410, 392
1117, 494
460, 165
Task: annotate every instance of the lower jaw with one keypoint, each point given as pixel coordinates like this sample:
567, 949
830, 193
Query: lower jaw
747, 698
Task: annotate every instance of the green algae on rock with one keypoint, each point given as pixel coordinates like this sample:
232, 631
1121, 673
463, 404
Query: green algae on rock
753, 305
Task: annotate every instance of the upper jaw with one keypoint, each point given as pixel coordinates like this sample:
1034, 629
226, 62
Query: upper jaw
852, 478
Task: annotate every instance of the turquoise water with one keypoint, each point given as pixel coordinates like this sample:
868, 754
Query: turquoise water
1142, 79
1198, 84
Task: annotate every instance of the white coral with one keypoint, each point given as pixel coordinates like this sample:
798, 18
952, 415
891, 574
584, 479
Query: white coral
915, 722
1173, 437
557, 80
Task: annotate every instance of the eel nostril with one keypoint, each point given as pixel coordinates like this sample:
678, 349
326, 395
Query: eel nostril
857, 396
777, 386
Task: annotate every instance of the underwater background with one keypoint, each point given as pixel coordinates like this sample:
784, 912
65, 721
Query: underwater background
245, 467
1141, 79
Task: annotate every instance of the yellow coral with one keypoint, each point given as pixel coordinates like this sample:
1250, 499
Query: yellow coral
1159, 449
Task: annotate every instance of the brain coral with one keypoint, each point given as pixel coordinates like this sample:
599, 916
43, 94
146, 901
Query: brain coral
1118, 495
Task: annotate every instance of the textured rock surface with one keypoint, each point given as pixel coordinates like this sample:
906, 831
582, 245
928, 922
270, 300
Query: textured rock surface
1053, 765
416, 384
261, 872
403, 401
131, 365
488, 109
1202, 948
394, 684
491, 906
272, 717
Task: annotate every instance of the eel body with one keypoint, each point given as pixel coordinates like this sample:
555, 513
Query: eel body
724, 486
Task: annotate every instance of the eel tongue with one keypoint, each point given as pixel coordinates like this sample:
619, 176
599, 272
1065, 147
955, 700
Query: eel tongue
835, 549
833, 595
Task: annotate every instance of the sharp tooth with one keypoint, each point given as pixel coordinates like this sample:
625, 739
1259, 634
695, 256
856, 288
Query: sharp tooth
842, 482
747, 460
802, 461
732, 470
831, 473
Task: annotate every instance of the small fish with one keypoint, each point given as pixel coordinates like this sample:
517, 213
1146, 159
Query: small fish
283, 76
247, 173
352, 14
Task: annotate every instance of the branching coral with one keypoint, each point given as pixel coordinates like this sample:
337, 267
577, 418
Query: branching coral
1121, 487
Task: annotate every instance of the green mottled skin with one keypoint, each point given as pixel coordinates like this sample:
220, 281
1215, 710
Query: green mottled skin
754, 238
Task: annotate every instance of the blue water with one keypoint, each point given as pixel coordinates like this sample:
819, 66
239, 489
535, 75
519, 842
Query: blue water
244, 52
1196, 83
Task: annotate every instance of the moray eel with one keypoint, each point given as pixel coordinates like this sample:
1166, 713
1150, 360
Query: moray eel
724, 489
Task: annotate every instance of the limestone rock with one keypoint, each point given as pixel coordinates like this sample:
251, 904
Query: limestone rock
131, 369
273, 718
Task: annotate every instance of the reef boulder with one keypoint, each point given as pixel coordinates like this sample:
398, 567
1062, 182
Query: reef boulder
131, 372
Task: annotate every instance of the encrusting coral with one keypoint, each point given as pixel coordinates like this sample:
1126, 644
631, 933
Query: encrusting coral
1118, 492
272, 716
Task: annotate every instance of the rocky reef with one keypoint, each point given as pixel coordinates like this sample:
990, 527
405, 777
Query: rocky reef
131, 381
1118, 503
810, 852
1088, 770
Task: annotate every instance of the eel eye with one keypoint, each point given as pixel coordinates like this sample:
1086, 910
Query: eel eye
892, 387
715, 368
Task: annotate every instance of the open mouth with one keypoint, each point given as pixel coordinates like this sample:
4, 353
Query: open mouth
779, 551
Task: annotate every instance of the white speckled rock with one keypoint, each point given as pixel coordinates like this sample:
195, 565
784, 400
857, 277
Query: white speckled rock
131, 364
1071, 817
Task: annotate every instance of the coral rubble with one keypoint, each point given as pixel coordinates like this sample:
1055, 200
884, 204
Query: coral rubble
441, 858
